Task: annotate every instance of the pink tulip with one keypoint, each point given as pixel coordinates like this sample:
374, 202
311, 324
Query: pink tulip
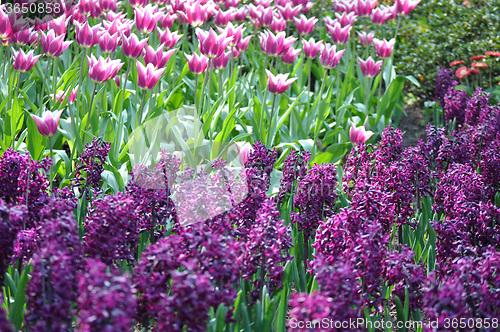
290, 56
148, 76
369, 68
263, 3
211, 44
47, 124
306, 5
146, 18
346, 19
379, 15
167, 20
223, 18
359, 135
304, 25
122, 27
221, 61
5, 25
132, 46
243, 44
384, 47
197, 63
138, 3
85, 7
241, 14
275, 45
345, 7
365, 39
340, 35
24, 62
277, 25
195, 13
329, 58
365, 7
279, 83
288, 12
168, 39
61, 96
59, 25
244, 151
102, 70
231, 3
157, 57
233, 32
24, 37
404, 7
53, 46
87, 36
311, 48
108, 5
108, 43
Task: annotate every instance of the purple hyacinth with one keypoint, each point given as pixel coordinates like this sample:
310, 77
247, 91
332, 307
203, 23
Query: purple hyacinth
5, 324
11, 221
267, 247
25, 245
401, 271
444, 80
475, 105
454, 104
315, 198
189, 297
294, 170
51, 291
106, 299
111, 229
309, 308
21, 179
90, 165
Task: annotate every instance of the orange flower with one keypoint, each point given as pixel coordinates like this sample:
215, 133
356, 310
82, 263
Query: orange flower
456, 63
479, 65
462, 72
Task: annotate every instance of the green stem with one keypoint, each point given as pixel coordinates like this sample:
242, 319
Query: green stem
209, 83
143, 102
221, 93
205, 80
271, 139
90, 106
43, 84
54, 77
309, 86
367, 97
51, 158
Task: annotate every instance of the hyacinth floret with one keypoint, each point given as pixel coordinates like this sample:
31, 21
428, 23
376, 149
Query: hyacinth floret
106, 299
91, 165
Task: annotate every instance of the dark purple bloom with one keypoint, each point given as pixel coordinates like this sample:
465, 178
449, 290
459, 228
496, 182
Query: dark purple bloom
309, 308
25, 245
90, 166
11, 220
106, 300
444, 80
454, 104
111, 229
267, 247
294, 170
51, 291
5, 324
315, 198
475, 105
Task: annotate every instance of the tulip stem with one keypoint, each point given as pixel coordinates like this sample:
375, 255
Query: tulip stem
221, 93
196, 79
309, 86
367, 98
124, 82
51, 159
270, 130
142, 108
54, 76
43, 84
205, 80
90, 105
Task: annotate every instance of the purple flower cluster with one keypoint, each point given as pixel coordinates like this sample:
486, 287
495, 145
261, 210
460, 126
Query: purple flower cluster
267, 247
90, 166
445, 80
311, 308
23, 181
454, 103
11, 220
315, 198
467, 288
187, 273
52, 289
5, 325
106, 299
111, 229
294, 170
